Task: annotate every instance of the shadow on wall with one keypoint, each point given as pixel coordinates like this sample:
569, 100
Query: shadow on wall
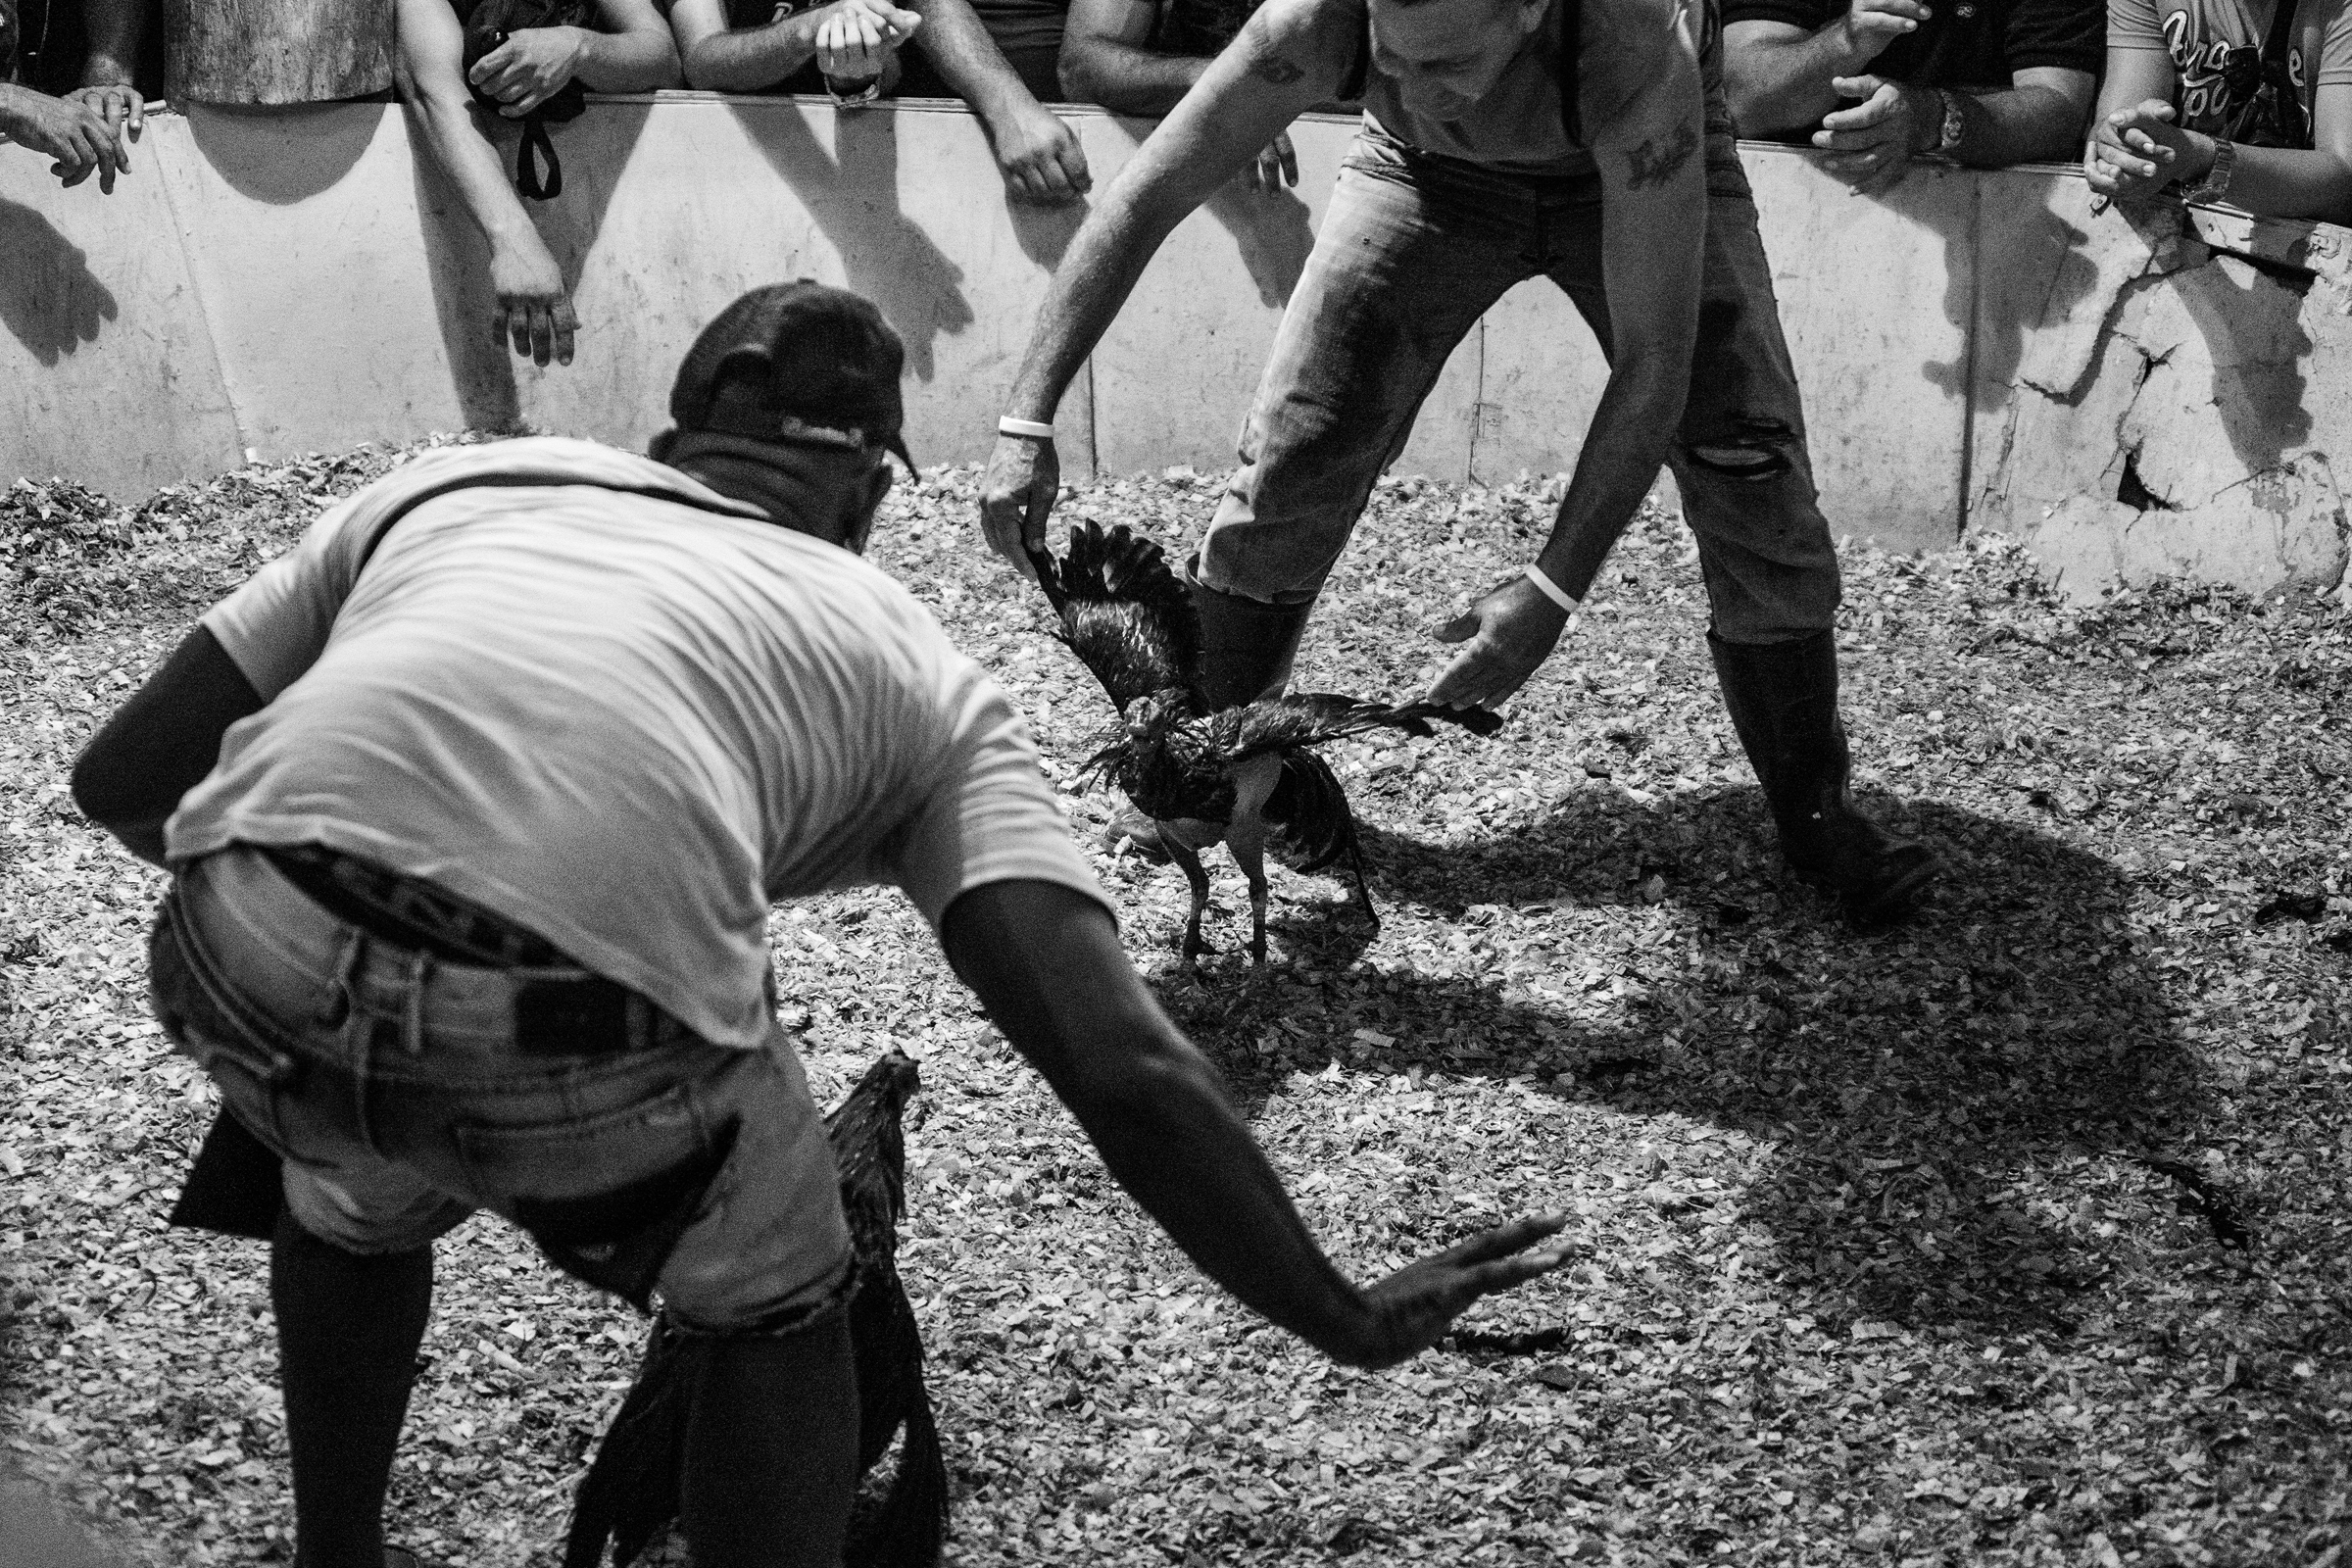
281, 154
458, 259
50, 300
1272, 230
2257, 345
1906, 1077
2047, 248
854, 199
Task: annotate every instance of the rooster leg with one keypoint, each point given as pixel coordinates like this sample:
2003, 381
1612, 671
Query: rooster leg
1189, 861
1363, 889
1248, 844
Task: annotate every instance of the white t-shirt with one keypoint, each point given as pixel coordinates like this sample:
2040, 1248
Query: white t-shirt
627, 722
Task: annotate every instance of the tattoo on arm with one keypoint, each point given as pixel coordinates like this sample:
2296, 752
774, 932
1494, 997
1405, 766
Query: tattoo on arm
1654, 163
1275, 68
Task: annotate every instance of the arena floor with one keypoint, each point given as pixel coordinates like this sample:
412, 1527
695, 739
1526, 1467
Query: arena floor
2020, 1235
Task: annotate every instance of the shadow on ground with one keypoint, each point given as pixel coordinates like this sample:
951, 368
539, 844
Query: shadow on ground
1905, 1078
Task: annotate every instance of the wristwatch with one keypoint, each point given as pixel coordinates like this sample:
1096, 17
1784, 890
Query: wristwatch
2215, 187
850, 91
1953, 124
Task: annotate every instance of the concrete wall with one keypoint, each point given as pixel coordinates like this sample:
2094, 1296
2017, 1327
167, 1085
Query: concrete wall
1976, 350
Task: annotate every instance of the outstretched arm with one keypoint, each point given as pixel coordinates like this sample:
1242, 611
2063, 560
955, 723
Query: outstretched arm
533, 307
1046, 963
1290, 56
1651, 152
161, 743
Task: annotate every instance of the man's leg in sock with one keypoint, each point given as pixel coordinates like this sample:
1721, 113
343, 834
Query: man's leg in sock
771, 1449
348, 1329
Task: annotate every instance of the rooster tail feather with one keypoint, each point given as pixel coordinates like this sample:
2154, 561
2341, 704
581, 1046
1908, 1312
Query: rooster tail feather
1313, 824
631, 1494
913, 1526
1477, 720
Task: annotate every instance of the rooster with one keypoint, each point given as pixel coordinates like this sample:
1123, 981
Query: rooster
1246, 776
630, 1495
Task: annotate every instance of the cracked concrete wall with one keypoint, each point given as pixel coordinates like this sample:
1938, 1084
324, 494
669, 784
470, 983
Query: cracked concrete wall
2146, 404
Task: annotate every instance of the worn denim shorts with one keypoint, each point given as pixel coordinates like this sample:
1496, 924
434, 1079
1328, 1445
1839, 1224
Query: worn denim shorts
401, 1098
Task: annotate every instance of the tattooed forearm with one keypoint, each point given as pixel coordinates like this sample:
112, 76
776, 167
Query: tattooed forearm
1270, 66
1654, 163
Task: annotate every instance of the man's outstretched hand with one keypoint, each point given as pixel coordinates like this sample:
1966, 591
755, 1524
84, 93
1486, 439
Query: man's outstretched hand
1512, 630
1016, 497
1410, 1308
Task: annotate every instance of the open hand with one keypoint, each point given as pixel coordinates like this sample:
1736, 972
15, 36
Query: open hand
1277, 166
1016, 497
68, 130
2137, 151
534, 310
529, 68
1511, 631
1871, 144
1039, 156
857, 37
1872, 25
1409, 1310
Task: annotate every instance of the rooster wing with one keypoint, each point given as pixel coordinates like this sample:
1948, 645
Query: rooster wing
1312, 719
1124, 614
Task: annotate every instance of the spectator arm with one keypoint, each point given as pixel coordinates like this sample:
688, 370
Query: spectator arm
1776, 76
2042, 116
967, 58
632, 53
2300, 181
433, 87
114, 27
1106, 58
719, 58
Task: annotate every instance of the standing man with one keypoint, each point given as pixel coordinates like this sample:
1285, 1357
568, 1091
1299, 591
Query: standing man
1585, 140
476, 803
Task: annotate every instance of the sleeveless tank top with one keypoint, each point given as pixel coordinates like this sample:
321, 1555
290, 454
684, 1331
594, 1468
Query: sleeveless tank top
1529, 125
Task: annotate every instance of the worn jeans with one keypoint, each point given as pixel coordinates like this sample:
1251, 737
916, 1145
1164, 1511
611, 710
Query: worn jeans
1414, 249
395, 1089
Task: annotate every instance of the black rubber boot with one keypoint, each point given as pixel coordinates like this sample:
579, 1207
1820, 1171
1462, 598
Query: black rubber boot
1246, 645
1782, 699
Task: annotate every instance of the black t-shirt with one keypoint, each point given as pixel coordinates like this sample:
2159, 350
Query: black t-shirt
1966, 43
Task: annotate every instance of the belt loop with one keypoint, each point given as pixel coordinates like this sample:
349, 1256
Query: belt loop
411, 1013
341, 993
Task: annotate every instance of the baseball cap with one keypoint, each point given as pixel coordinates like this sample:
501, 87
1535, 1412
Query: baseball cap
814, 361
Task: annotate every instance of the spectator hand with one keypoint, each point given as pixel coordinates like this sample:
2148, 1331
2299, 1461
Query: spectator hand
529, 68
1871, 145
857, 37
123, 107
2137, 152
1016, 497
1511, 631
1412, 1308
533, 309
1872, 25
1277, 166
67, 129
1040, 157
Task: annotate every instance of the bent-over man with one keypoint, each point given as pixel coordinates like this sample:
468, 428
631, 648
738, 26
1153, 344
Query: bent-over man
1581, 140
476, 803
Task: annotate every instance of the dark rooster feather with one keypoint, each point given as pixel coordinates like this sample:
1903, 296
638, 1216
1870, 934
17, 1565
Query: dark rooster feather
1195, 771
630, 1495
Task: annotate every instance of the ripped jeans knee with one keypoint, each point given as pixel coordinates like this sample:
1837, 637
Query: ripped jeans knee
1754, 450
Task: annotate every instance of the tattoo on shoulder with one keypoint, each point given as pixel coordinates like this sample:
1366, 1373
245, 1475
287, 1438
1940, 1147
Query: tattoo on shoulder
1659, 159
1267, 66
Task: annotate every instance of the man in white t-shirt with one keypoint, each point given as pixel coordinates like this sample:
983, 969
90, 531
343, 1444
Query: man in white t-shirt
476, 802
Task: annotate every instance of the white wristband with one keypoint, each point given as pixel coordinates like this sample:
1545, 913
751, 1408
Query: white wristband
1552, 590
1035, 429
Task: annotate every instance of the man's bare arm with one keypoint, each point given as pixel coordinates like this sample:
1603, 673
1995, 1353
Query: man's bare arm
1776, 75
720, 59
161, 743
1288, 59
2039, 116
1647, 114
1045, 962
1106, 60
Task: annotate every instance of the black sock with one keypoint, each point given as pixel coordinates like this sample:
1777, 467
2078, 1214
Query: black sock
348, 1328
771, 1450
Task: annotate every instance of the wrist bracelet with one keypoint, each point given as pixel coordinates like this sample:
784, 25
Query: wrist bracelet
2215, 187
1552, 590
1034, 430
